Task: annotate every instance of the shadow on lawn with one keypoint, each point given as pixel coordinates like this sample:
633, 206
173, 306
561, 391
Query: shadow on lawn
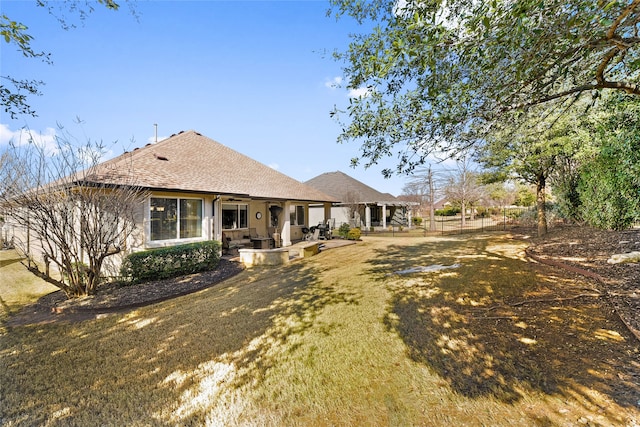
6, 262
174, 362
464, 325
239, 327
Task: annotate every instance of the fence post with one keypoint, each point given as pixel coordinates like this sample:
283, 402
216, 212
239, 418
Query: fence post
504, 219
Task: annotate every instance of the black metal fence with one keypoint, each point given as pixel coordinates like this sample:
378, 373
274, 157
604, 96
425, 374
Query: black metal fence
491, 220
494, 220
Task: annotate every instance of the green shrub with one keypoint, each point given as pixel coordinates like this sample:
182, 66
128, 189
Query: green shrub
496, 211
516, 213
172, 261
343, 231
417, 221
448, 211
354, 234
482, 212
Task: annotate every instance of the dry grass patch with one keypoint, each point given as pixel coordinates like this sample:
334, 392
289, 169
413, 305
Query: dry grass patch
338, 339
18, 287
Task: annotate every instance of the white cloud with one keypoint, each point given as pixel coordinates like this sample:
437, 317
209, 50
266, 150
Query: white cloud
23, 136
52, 143
334, 83
361, 92
274, 166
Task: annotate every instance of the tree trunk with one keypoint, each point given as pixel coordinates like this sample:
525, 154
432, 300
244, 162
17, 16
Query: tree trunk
463, 211
432, 203
432, 217
540, 204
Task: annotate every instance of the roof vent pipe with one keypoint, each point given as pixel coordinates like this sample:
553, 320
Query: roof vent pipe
155, 125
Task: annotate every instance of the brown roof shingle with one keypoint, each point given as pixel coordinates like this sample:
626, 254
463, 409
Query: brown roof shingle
338, 185
192, 162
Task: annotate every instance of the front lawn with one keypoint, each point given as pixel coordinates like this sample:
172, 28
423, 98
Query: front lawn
342, 339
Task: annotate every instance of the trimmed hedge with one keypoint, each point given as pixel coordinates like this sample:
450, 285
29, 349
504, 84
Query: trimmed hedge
171, 261
354, 234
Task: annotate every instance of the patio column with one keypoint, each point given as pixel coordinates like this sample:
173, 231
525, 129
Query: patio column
285, 232
327, 212
367, 217
384, 216
216, 219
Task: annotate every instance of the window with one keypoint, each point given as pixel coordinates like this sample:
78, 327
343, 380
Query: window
175, 218
296, 214
234, 216
190, 218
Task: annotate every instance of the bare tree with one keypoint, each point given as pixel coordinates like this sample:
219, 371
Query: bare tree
424, 185
59, 197
464, 188
351, 205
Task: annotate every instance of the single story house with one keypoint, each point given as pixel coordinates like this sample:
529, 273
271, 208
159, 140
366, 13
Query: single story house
199, 189
419, 206
358, 204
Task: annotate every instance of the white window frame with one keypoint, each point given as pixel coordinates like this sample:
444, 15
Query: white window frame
238, 216
294, 219
177, 237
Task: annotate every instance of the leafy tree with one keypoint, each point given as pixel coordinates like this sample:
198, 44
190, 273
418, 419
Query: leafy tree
609, 182
506, 192
441, 75
15, 92
531, 155
524, 196
64, 213
499, 193
14, 101
566, 178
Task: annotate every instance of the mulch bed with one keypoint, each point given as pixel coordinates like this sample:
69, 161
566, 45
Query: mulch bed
585, 251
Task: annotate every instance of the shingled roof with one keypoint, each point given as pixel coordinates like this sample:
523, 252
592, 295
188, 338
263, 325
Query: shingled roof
192, 162
338, 185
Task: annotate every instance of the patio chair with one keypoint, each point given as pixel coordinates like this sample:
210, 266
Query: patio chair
316, 234
229, 246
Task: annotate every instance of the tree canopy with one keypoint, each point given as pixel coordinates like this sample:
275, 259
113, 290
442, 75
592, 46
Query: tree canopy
531, 154
608, 183
441, 75
16, 91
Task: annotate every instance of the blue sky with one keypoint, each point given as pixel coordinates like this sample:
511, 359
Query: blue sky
255, 76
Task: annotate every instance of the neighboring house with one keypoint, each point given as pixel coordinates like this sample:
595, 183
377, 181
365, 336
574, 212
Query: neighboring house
199, 189
358, 204
421, 210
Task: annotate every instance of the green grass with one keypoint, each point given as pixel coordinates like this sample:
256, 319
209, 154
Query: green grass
338, 339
